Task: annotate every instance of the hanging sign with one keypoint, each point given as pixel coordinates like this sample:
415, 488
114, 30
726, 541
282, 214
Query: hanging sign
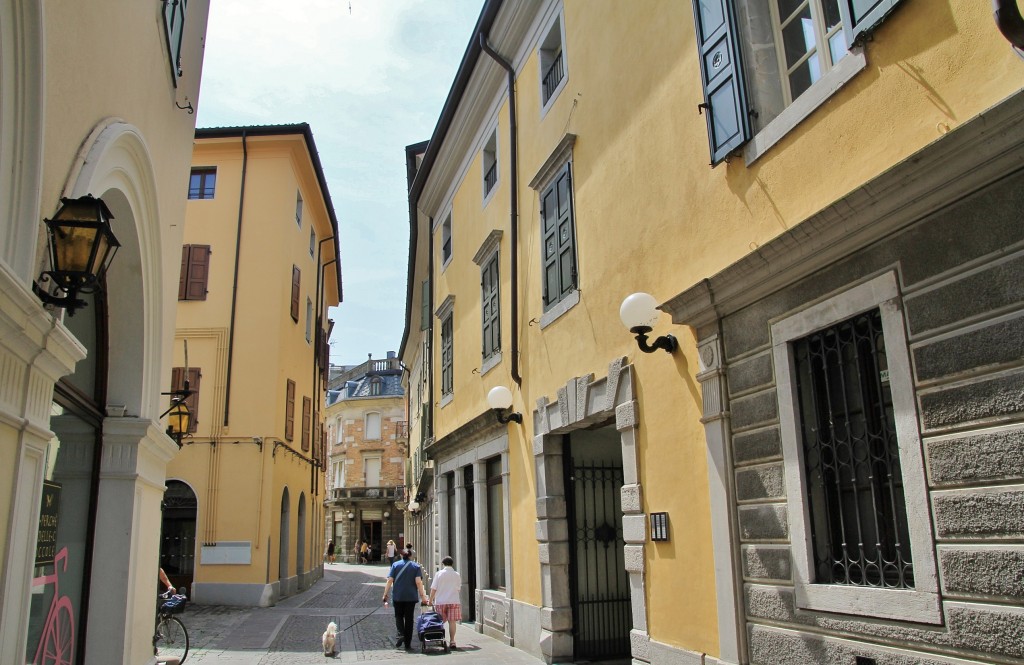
46, 542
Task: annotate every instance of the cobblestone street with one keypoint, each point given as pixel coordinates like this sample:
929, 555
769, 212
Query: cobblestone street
290, 632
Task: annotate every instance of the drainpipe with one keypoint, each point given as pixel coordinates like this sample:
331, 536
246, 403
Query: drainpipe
430, 336
315, 394
1010, 23
234, 283
514, 206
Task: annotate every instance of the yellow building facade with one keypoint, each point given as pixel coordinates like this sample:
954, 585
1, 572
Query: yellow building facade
259, 267
98, 101
684, 506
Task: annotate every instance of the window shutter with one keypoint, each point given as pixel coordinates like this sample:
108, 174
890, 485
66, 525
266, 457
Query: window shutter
559, 239
862, 16
425, 305
198, 272
307, 414
182, 280
296, 278
178, 383
725, 98
289, 411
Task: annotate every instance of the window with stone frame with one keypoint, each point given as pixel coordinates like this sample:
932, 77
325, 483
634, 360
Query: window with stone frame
447, 356
767, 64
490, 307
495, 525
858, 508
558, 232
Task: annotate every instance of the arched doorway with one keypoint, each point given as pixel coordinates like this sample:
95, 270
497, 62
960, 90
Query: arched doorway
282, 556
178, 534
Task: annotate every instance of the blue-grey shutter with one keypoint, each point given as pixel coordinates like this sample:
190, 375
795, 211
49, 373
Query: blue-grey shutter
559, 238
174, 26
721, 67
425, 305
861, 16
490, 308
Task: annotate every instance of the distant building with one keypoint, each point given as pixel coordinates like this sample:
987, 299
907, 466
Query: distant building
368, 436
259, 268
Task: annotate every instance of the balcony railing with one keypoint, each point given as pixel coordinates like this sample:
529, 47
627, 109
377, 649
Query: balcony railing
393, 493
372, 366
553, 76
491, 177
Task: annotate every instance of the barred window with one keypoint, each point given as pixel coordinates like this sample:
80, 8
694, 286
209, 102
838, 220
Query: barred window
858, 514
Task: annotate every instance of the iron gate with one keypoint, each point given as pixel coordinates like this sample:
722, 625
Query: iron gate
599, 585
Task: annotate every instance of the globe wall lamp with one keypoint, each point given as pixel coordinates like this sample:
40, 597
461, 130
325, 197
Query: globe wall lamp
82, 245
639, 312
387, 514
414, 506
351, 515
500, 399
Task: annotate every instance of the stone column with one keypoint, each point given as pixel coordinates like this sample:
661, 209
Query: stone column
441, 483
719, 460
122, 610
553, 541
480, 528
461, 533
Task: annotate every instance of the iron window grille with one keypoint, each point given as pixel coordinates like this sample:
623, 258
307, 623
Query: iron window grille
553, 76
490, 177
857, 509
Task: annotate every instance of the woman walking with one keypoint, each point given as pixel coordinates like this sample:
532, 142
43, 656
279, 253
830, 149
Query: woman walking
444, 596
405, 582
391, 551
330, 551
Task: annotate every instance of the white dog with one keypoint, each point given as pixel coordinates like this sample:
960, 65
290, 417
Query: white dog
329, 634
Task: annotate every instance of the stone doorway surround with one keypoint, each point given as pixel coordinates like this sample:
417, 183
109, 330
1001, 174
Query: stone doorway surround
582, 402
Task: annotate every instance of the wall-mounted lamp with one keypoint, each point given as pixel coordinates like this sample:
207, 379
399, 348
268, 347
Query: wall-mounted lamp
81, 248
387, 514
500, 399
639, 312
179, 418
351, 515
414, 506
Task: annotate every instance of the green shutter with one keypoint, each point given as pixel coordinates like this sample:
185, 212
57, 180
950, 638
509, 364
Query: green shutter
861, 17
425, 305
490, 308
725, 98
559, 241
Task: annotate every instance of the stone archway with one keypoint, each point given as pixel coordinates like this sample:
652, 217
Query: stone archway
582, 402
300, 541
283, 540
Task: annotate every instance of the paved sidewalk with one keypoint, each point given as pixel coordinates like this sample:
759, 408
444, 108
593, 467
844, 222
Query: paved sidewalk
290, 632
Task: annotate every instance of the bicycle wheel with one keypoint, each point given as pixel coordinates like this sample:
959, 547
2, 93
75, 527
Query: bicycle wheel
58, 642
171, 638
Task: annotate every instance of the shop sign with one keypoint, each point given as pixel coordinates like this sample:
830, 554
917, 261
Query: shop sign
46, 543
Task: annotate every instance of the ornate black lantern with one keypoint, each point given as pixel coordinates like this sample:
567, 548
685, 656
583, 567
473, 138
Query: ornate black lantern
82, 246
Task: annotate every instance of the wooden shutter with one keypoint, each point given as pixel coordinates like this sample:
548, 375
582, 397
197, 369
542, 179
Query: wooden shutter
425, 305
198, 272
721, 66
183, 279
491, 315
192, 401
296, 278
307, 414
559, 238
289, 411
861, 16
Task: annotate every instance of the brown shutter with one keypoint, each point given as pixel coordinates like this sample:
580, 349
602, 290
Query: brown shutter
184, 272
316, 434
296, 276
192, 402
307, 414
198, 272
289, 411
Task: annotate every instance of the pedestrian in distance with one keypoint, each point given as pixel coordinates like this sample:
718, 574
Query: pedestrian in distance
391, 552
411, 551
330, 551
444, 596
358, 550
405, 583
364, 553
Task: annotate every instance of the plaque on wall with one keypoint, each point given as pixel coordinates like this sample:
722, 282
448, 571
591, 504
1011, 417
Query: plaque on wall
49, 511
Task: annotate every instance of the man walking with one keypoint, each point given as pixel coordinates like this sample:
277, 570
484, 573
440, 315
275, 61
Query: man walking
405, 582
444, 596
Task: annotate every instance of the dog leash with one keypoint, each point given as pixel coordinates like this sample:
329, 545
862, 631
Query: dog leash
363, 617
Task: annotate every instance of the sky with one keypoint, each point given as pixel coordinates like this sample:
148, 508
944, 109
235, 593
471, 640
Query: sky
370, 77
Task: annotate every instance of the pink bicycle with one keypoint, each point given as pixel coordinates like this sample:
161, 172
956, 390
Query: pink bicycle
57, 643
